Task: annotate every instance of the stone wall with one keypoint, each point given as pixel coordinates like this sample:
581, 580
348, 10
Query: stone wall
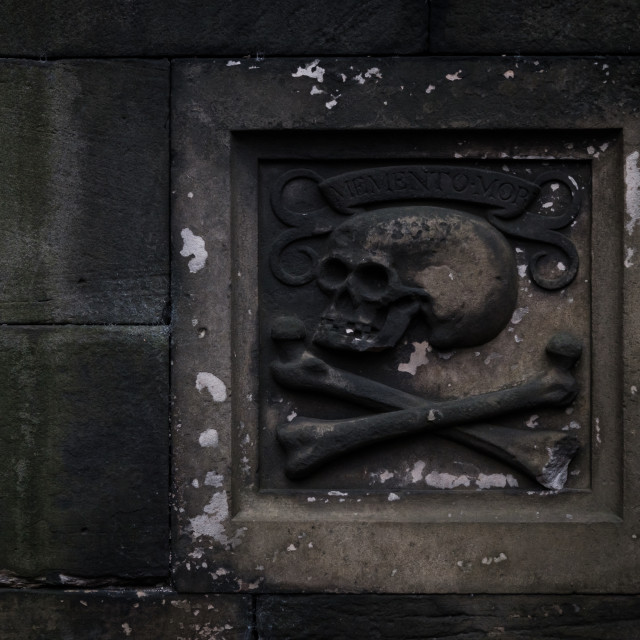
86, 308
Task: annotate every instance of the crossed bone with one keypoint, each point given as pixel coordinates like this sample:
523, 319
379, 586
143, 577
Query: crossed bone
310, 442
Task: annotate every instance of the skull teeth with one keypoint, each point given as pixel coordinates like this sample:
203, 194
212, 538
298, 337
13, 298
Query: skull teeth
352, 329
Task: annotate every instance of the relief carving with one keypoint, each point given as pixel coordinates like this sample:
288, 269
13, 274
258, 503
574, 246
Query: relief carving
427, 247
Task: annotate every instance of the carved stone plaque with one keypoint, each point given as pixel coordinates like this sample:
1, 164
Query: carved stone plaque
422, 325
405, 346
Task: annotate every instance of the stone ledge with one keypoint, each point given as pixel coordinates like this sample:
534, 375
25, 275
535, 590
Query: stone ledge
451, 617
153, 614
242, 28
592, 27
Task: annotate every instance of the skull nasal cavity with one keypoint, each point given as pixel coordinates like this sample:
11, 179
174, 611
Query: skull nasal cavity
372, 279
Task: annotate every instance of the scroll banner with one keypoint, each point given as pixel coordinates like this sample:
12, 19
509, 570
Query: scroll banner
507, 195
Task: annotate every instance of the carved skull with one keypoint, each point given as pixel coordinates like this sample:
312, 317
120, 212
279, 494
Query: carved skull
451, 270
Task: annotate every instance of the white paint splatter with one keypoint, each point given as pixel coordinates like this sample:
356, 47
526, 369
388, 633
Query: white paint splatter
213, 479
433, 415
193, 246
446, 480
591, 150
312, 70
547, 205
416, 472
331, 104
386, 475
634, 390
190, 195
494, 560
508, 74
213, 385
454, 76
518, 314
430, 88
383, 477
532, 422
572, 425
315, 91
359, 79
195, 483
337, 493
374, 71
522, 270
627, 260
208, 438
126, 628
417, 359
233, 63
632, 181
499, 480
392, 497
291, 416
311, 499
211, 522
597, 425
291, 547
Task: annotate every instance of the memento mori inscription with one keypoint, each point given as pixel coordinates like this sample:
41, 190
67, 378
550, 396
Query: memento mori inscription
365, 265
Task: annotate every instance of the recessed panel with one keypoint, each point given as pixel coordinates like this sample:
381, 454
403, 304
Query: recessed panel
424, 325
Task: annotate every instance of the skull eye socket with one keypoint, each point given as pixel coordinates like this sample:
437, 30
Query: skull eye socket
332, 273
373, 280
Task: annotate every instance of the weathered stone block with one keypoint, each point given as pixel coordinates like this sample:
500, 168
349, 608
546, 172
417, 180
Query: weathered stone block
468, 617
272, 154
84, 187
241, 28
588, 27
84, 479
153, 614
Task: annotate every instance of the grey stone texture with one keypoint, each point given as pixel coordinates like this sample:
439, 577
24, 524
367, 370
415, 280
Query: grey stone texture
143, 614
540, 27
84, 191
84, 477
84, 222
233, 532
194, 27
448, 617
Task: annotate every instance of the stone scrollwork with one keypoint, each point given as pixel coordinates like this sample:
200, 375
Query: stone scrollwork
504, 199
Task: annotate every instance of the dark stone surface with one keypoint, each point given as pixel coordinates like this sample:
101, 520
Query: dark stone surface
84, 190
154, 614
352, 532
449, 617
539, 27
194, 27
84, 475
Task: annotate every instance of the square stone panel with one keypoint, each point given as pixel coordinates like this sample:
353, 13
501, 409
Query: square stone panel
366, 250
309, 280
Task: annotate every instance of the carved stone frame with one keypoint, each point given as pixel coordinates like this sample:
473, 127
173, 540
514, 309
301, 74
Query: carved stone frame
228, 534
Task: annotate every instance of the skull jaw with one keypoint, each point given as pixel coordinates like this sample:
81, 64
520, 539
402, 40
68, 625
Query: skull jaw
344, 337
